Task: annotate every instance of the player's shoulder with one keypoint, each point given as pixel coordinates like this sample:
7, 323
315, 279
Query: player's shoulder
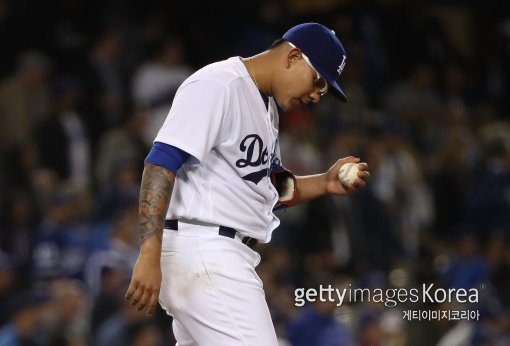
222, 73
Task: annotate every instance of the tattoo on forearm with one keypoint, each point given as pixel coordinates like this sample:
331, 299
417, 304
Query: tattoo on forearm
155, 192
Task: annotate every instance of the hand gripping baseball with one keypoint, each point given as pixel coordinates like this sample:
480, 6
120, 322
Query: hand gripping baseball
342, 181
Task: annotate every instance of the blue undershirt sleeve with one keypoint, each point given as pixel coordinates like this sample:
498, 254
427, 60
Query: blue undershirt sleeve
167, 156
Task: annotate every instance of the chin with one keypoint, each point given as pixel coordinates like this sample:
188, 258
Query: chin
289, 105
285, 107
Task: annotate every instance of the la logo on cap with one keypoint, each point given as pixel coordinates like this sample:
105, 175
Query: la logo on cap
341, 67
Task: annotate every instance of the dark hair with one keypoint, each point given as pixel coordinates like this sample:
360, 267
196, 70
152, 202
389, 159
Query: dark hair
277, 43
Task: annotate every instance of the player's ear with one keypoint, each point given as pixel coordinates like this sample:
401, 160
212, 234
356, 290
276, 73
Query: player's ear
293, 56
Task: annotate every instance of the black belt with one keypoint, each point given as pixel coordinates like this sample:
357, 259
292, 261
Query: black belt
224, 231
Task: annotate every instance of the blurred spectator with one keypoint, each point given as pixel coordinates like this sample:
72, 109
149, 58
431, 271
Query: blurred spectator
274, 271
62, 240
457, 86
116, 249
489, 202
375, 241
488, 330
68, 321
415, 101
400, 186
20, 162
104, 83
106, 299
298, 141
24, 99
121, 191
156, 81
17, 233
369, 330
28, 311
116, 330
429, 333
496, 70
316, 324
324, 241
109, 268
121, 145
498, 261
45, 184
467, 268
144, 333
63, 141
492, 329
453, 155
393, 328
458, 335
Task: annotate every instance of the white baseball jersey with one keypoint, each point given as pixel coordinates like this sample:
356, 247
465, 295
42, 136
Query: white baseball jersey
219, 117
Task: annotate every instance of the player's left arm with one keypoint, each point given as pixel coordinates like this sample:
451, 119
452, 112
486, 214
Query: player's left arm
310, 187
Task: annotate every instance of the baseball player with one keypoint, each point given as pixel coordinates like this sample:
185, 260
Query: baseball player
213, 179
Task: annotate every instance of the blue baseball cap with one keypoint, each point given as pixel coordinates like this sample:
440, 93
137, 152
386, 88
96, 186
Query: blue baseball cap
324, 51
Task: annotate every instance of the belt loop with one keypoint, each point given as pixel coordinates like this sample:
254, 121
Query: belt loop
227, 232
171, 224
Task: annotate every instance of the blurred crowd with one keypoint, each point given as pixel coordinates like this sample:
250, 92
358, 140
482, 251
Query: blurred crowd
85, 85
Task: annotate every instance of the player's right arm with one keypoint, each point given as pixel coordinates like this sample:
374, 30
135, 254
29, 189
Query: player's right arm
155, 191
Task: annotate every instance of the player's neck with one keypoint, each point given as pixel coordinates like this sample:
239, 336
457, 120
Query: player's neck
257, 67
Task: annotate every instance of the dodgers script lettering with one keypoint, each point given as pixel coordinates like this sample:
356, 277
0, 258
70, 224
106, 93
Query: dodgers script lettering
256, 153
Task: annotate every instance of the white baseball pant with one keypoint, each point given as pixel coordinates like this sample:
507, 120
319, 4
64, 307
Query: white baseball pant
210, 287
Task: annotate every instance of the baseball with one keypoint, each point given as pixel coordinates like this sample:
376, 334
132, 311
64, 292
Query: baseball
348, 173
